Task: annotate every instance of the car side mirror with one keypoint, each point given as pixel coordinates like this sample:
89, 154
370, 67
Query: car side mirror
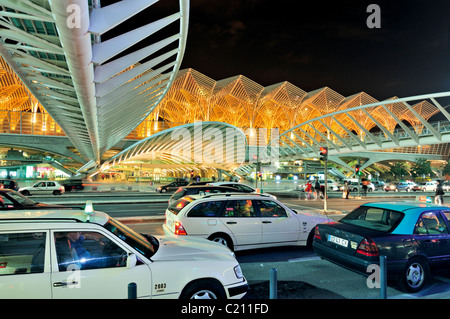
131, 260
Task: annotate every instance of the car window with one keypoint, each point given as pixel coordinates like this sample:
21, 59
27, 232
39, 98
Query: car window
430, 223
373, 218
447, 215
244, 188
179, 204
50, 184
179, 193
87, 250
239, 208
5, 202
21, 199
22, 253
206, 209
271, 209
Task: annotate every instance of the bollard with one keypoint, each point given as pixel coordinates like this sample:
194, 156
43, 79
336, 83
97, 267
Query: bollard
132, 290
383, 277
273, 284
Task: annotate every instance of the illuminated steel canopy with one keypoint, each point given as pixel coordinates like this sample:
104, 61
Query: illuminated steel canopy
244, 103
95, 90
212, 144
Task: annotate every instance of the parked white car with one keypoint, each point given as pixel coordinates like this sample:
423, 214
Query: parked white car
46, 253
43, 188
240, 222
429, 186
241, 187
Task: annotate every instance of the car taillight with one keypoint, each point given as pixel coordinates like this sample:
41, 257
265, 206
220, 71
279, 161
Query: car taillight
367, 247
61, 188
179, 229
317, 233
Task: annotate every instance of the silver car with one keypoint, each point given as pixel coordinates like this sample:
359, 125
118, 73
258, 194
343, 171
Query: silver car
43, 188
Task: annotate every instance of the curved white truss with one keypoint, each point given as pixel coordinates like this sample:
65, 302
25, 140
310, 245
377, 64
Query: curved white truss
96, 94
211, 144
305, 139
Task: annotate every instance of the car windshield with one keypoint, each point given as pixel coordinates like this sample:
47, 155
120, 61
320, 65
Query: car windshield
373, 218
146, 245
21, 199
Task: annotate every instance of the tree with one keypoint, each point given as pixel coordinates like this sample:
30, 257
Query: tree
421, 167
399, 169
446, 168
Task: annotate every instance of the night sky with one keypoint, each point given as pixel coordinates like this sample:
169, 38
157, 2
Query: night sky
314, 44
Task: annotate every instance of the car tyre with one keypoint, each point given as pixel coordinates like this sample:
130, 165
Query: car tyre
414, 276
223, 239
203, 289
310, 240
163, 190
26, 193
56, 192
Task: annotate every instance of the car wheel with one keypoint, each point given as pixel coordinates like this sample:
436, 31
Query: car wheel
203, 289
414, 276
26, 193
424, 190
222, 239
163, 190
309, 241
56, 192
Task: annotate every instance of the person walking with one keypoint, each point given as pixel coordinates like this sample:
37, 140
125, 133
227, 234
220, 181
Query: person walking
308, 190
346, 191
316, 189
439, 194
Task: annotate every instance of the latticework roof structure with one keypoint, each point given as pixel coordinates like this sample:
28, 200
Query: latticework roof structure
241, 102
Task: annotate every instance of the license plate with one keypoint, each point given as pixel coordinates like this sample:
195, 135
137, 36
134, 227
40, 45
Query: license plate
337, 240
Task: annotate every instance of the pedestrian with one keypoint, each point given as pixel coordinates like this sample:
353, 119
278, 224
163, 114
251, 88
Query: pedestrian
346, 191
364, 187
316, 189
439, 195
308, 190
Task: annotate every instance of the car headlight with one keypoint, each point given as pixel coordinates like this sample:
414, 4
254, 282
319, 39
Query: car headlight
238, 272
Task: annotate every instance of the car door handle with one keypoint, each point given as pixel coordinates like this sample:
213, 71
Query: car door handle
64, 283
266, 222
230, 223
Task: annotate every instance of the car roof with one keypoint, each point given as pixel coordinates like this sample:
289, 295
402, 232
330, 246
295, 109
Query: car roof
53, 215
405, 205
231, 195
208, 187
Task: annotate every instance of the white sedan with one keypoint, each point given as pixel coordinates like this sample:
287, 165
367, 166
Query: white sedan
43, 188
45, 254
241, 221
429, 186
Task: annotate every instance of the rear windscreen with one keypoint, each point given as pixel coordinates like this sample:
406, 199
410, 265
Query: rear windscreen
178, 194
178, 205
373, 218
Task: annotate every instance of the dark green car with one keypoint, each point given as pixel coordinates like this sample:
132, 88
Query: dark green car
414, 237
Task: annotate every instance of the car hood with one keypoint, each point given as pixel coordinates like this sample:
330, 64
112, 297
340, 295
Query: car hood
188, 248
317, 217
